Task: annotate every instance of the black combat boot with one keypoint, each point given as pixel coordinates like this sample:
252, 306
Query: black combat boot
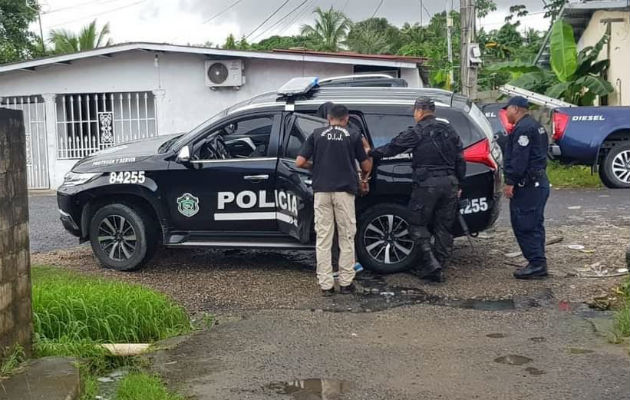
431, 267
531, 271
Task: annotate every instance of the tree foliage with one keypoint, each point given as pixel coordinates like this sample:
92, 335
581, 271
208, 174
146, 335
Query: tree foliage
16, 41
576, 77
88, 38
373, 36
329, 30
230, 43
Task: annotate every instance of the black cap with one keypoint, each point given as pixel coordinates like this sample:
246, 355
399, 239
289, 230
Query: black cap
518, 101
424, 103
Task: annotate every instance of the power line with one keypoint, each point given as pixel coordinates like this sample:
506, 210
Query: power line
345, 5
268, 18
377, 8
98, 14
222, 11
299, 15
280, 20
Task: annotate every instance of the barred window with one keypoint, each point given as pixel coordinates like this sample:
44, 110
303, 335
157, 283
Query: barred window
89, 122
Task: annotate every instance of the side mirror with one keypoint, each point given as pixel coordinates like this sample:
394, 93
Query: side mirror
184, 155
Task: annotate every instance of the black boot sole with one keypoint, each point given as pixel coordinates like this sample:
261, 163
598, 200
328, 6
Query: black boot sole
531, 277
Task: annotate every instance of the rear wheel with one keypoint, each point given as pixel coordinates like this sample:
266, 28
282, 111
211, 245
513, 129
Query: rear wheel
122, 237
383, 242
615, 168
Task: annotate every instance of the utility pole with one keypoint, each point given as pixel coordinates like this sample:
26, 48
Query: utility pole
39, 17
469, 62
449, 41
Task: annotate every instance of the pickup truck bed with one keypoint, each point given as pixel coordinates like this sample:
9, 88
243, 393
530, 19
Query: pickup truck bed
594, 136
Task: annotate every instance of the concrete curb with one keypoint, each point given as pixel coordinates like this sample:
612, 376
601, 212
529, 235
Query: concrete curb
48, 378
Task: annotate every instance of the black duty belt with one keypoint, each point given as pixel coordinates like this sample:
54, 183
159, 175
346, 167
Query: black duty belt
438, 173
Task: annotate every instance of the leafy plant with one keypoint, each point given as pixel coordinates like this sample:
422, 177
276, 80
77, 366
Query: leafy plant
373, 36
88, 38
329, 31
140, 386
16, 41
12, 360
577, 77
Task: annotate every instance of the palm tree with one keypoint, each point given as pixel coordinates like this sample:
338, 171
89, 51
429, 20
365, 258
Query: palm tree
330, 29
88, 38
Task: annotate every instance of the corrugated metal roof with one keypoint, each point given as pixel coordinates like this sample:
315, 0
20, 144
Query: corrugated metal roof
417, 60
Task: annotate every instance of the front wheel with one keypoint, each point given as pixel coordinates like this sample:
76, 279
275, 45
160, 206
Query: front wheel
122, 237
615, 168
383, 242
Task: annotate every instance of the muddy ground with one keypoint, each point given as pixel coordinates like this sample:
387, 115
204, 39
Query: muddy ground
220, 281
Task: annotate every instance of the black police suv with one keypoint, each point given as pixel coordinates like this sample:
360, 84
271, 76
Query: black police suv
232, 181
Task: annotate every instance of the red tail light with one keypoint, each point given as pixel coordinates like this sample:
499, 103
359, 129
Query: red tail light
560, 121
504, 121
480, 153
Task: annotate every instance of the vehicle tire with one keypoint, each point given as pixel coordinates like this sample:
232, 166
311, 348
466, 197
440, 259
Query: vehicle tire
382, 241
614, 170
122, 237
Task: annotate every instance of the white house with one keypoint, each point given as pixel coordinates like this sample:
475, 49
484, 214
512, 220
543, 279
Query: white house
79, 103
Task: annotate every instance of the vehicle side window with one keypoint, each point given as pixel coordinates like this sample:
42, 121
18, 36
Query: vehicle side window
247, 137
301, 129
383, 127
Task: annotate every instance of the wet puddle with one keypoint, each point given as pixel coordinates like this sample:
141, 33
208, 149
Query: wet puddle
483, 305
538, 339
534, 371
513, 359
496, 335
311, 389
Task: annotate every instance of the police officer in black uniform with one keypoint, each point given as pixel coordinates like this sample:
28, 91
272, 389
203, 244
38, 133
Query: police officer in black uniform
527, 186
438, 171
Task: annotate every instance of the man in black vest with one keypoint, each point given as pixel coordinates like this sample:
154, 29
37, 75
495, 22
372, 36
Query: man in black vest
438, 171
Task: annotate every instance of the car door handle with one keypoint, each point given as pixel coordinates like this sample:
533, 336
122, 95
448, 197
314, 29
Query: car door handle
256, 177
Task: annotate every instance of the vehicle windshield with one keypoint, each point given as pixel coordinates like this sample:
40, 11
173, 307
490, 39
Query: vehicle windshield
181, 140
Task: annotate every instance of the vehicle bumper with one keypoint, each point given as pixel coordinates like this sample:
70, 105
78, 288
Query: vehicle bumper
68, 221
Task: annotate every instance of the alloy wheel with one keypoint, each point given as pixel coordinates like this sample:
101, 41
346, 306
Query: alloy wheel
621, 166
386, 239
117, 237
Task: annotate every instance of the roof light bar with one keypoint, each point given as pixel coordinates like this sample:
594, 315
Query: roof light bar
297, 86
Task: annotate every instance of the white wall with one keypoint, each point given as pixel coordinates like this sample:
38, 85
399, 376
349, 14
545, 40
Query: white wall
619, 71
178, 81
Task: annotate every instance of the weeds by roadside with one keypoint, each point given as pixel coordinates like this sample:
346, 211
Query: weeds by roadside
12, 361
139, 386
572, 176
622, 318
74, 314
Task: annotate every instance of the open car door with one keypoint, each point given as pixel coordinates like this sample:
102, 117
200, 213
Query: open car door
294, 196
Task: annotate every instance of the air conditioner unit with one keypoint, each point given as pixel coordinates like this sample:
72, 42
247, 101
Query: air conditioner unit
224, 73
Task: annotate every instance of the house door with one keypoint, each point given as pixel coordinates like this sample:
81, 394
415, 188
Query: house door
34, 112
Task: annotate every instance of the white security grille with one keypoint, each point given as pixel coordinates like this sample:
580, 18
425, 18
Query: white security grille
87, 123
34, 113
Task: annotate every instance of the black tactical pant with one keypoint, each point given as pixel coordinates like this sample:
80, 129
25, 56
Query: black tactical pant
433, 207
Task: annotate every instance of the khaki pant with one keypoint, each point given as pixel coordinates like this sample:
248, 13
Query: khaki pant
330, 208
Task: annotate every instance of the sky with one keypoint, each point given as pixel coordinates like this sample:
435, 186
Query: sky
201, 21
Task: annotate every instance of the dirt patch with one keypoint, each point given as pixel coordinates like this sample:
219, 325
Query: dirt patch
232, 280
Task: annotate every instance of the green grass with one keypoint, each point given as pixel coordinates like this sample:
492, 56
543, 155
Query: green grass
75, 308
12, 360
622, 318
74, 314
141, 386
574, 176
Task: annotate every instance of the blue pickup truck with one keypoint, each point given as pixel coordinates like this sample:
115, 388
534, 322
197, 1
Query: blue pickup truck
595, 136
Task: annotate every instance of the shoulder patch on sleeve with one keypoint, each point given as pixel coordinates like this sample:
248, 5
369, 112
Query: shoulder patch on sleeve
523, 140
542, 130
